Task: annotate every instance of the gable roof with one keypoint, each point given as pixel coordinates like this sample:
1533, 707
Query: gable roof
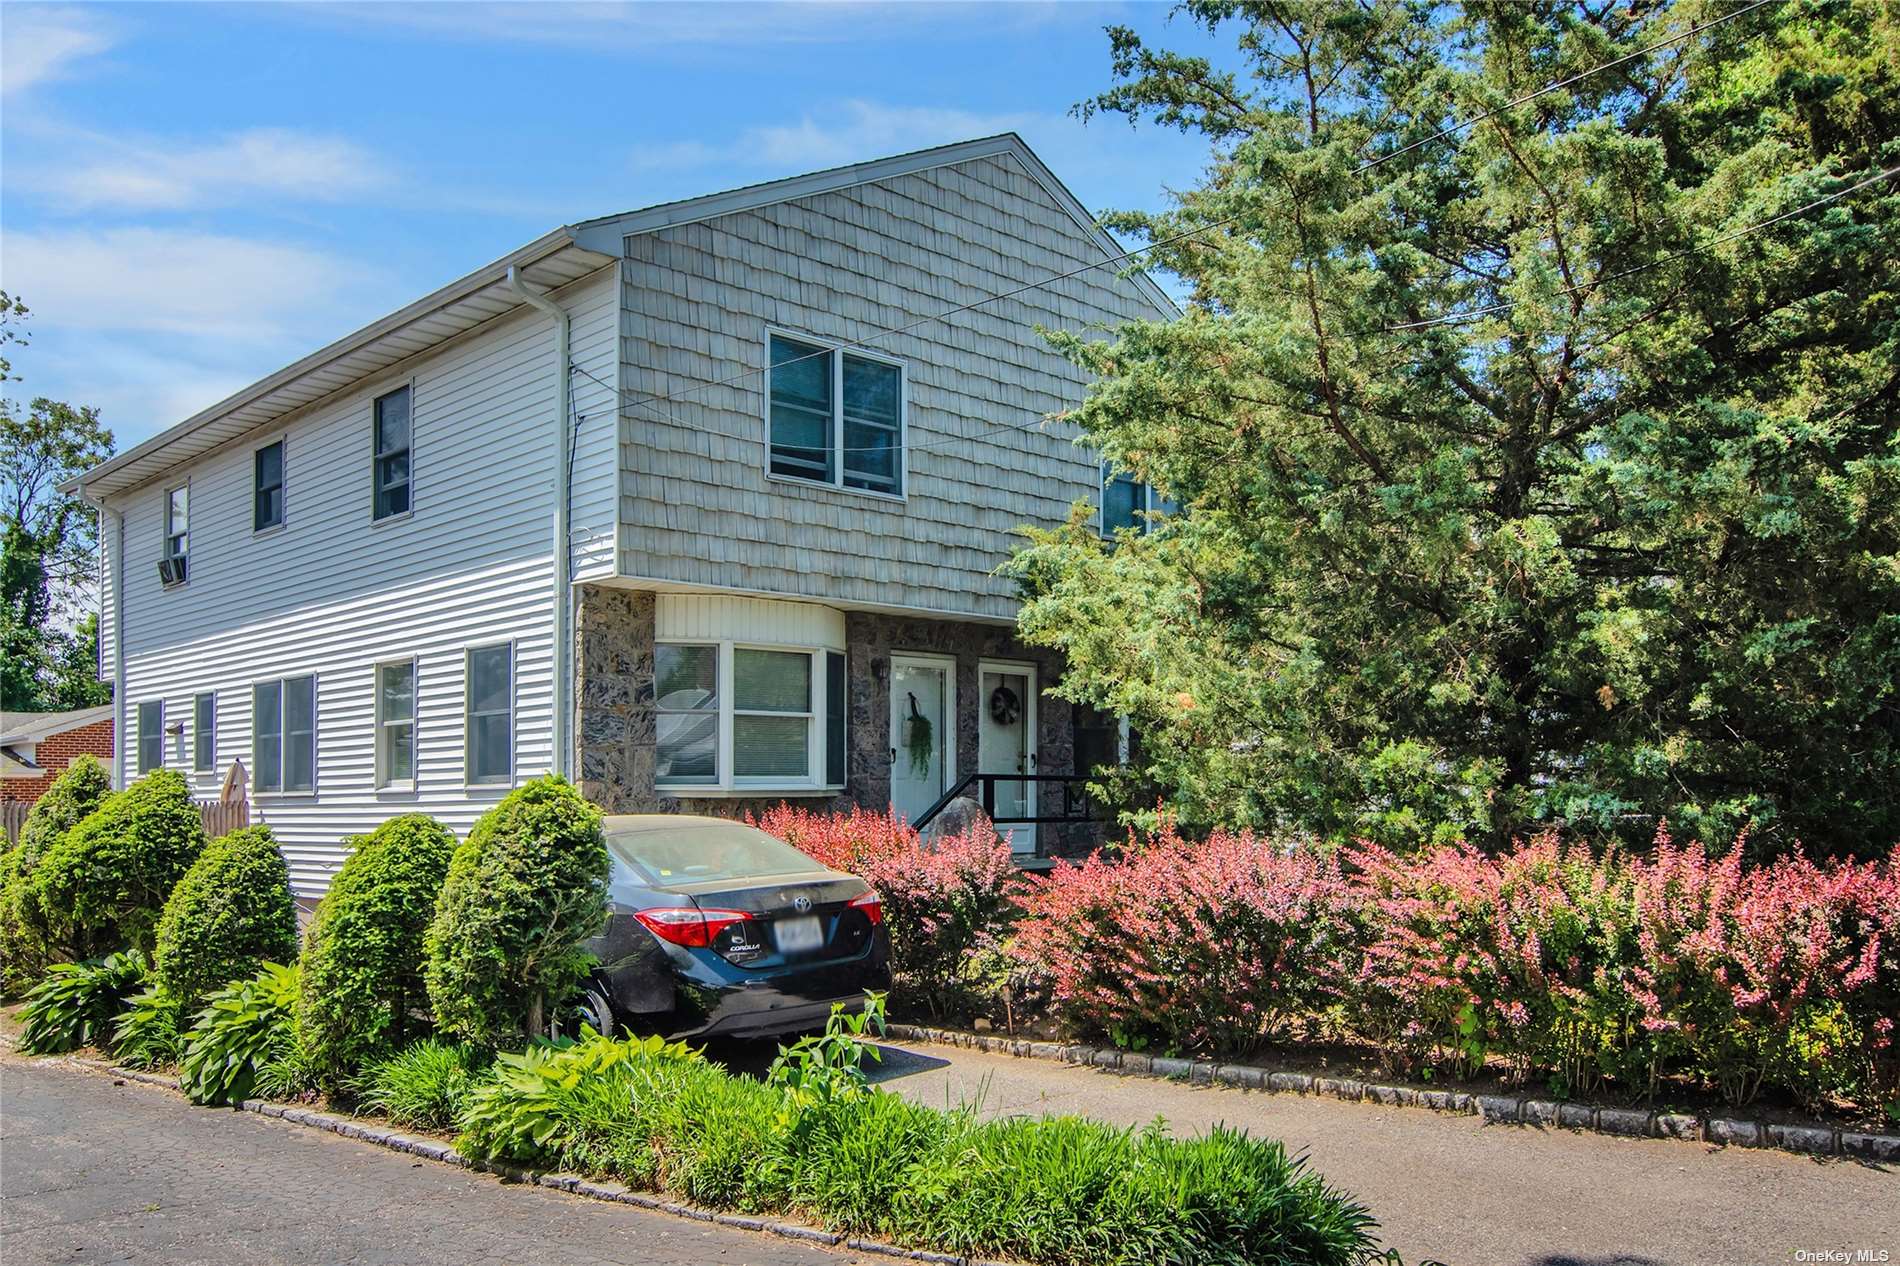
562, 256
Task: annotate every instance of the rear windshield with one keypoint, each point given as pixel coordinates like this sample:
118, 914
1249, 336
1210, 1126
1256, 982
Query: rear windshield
703, 852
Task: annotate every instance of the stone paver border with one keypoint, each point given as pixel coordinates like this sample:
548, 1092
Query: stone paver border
434, 1149
1503, 1109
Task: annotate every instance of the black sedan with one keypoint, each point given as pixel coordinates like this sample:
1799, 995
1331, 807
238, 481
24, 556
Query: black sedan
715, 928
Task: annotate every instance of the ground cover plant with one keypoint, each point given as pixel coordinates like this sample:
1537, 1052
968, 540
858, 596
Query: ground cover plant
818, 1141
244, 1029
76, 1003
362, 979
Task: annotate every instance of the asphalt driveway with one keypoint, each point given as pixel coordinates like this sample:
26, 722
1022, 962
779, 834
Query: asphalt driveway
1450, 1188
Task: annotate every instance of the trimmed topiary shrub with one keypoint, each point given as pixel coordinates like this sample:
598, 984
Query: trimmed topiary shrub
103, 883
362, 961
228, 916
25, 947
524, 890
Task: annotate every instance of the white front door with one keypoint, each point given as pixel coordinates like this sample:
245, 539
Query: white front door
1006, 744
923, 731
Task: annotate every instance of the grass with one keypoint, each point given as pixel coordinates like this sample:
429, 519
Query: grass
1058, 1190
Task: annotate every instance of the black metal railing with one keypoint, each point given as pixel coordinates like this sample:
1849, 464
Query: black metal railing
1077, 806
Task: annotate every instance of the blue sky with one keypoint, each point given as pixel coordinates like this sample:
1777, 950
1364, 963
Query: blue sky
192, 196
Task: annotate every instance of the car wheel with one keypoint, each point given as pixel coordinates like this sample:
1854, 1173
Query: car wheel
590, 1007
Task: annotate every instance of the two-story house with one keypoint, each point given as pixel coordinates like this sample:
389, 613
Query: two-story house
701, 505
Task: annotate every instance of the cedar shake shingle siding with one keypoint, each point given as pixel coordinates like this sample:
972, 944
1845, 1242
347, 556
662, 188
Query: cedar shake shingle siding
696, 505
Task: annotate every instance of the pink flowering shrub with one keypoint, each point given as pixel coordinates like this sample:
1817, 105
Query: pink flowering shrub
1206, 945
946, 903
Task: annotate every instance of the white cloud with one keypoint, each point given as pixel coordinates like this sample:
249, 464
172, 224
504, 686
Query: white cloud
646, 24
156, 175
40, 45
848, 132
164, 281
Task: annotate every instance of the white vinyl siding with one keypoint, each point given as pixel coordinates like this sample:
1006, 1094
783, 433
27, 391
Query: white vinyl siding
335, 595
700, 504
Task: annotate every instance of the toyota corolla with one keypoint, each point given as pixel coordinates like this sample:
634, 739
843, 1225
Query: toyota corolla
716, 928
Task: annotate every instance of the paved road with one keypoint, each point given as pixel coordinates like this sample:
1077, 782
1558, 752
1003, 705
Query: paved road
1450, 1188
96, 1173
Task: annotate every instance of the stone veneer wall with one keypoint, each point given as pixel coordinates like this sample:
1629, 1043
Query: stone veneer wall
614, 651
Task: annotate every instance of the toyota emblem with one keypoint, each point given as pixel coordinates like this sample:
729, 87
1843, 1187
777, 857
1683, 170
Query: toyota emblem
801, 903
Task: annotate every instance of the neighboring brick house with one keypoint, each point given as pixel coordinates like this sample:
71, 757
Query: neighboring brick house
36, 746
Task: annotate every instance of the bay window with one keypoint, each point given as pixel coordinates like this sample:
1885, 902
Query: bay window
835, 416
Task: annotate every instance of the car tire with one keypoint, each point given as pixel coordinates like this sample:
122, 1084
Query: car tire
591, 1006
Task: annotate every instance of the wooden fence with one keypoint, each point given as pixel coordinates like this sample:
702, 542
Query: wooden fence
220, 817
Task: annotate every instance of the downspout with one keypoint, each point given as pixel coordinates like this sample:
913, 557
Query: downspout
114, 560
563, 547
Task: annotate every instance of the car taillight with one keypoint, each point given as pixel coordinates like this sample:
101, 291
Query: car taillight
871, 904
694, 929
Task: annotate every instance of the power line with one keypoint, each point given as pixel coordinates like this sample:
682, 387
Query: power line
1368, 165
1475, 313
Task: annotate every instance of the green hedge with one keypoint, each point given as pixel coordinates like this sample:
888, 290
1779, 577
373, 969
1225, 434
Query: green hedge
25, 943
526, 887
103, 883
362, 961
229, 915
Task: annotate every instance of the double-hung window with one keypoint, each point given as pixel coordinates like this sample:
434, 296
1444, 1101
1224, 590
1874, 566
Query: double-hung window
1127, 503
177, 530
267, 487
836, 417
204, 733
490, 754
733, 717
151, 735
396, 724
390, 469
284, 735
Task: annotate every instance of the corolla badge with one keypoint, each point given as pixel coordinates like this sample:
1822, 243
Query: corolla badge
801, 903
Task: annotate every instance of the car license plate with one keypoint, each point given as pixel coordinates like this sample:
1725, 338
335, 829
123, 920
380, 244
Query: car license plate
795, 936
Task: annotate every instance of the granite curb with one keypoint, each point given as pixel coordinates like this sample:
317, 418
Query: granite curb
618, 1193
1811, 1140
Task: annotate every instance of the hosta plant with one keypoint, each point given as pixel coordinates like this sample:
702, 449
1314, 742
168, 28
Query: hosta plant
76, 1003
148, 1033
244, 1027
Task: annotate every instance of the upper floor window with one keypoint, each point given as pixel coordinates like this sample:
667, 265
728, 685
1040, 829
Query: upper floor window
177, 533
390, 469
151, 735
1129, 503
491, 714
267, 487
837, 417
204, 733
284, 734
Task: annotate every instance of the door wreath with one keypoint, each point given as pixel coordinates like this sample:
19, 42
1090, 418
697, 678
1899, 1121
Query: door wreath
1005, 707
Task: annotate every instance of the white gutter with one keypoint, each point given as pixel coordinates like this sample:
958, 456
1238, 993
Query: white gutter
563, 546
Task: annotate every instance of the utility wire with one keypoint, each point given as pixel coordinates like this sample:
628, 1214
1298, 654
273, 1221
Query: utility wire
1368, 165
1460, 317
